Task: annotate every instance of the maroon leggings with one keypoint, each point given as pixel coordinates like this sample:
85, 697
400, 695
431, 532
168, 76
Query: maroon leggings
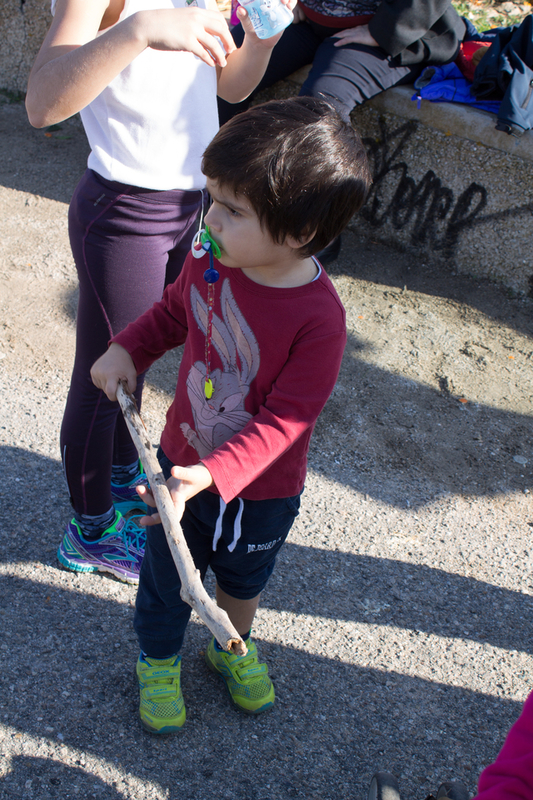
128, 244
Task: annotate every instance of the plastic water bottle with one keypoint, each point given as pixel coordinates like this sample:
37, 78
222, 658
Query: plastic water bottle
267, 16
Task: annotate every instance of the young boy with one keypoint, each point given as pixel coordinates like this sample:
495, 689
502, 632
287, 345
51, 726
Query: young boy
263, 341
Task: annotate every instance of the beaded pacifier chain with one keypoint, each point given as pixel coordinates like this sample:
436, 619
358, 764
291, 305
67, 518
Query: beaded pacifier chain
204, 243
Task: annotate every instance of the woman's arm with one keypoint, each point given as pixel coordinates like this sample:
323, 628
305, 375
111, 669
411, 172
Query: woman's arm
246, 66
74, 64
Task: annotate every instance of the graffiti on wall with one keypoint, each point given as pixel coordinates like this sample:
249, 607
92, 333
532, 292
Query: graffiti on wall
434, 216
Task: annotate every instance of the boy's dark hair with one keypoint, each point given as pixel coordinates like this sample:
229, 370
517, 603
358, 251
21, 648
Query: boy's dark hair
300, 166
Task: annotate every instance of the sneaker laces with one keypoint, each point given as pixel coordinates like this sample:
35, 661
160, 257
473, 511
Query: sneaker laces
133, 534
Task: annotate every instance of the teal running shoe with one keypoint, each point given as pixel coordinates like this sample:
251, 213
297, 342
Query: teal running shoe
119, 550
161, 709
247, 681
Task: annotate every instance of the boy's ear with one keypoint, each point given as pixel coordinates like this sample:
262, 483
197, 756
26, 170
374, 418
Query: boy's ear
301, 241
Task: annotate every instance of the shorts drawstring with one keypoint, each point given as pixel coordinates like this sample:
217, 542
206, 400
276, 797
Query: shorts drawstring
218, 526
236, 525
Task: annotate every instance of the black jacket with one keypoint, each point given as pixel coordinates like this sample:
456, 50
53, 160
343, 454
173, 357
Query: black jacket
418, 31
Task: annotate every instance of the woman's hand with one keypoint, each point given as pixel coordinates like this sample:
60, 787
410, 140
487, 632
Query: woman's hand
358, 35
195, 30
298, 14
272, 41
184, 483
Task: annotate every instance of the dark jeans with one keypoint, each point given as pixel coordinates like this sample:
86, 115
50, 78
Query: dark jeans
344, 76
161, 616
128, 244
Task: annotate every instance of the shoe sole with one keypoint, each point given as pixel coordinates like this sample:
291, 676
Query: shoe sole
77, 566
265, 707
161, 731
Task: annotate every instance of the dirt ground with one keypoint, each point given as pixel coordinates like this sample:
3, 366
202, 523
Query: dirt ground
397, 625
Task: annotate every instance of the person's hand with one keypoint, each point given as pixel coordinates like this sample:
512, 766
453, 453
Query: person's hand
291, 5
298, 14
249, 28
196, 30
116, 364
184, 483
358, 35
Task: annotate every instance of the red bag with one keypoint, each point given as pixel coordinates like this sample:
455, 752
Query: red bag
469, 56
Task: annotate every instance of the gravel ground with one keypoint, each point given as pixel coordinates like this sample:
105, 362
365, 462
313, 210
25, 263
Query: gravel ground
397, 625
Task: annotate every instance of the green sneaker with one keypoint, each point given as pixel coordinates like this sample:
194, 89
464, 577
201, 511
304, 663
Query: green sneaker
247, 681
161, 709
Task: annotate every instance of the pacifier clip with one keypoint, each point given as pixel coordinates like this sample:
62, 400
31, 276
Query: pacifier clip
204, 243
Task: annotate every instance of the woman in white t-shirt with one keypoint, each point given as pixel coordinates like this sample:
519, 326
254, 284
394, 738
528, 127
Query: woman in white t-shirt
144, 74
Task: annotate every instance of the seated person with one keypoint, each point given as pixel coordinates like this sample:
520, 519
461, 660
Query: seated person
359, 48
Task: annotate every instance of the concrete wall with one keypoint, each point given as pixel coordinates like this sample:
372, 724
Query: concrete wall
23, 25
447, 186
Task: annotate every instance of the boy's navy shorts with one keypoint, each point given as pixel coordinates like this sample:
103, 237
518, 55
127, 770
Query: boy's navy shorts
242, 562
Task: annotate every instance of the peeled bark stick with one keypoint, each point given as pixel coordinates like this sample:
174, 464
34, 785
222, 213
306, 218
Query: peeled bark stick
192, 588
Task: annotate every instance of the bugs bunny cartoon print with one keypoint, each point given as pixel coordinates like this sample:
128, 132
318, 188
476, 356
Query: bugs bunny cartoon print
218, 418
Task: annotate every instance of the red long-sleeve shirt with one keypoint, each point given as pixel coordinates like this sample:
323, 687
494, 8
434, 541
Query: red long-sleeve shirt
275, 355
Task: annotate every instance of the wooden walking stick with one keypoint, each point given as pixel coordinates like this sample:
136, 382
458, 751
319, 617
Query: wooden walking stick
192, 588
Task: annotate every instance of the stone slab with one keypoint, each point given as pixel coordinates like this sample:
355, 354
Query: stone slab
453, 118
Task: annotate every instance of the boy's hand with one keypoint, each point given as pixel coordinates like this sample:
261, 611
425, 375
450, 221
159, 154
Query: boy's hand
184, 483
203, 32
116, 364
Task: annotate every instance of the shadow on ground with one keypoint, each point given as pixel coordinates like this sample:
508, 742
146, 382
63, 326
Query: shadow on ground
358, 588
80, 693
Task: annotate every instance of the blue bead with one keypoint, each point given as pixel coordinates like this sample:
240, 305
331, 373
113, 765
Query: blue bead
211, 275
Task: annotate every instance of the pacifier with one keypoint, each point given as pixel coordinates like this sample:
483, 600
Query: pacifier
203, 242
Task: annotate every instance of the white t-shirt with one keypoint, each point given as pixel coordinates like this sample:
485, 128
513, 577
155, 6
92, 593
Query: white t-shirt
150, 126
